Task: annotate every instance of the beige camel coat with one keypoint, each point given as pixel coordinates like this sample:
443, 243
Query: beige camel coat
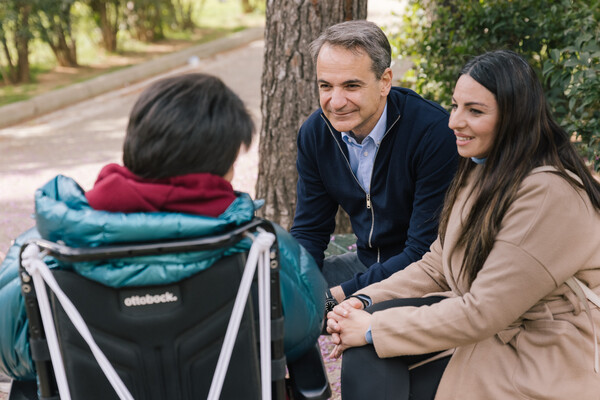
519, 331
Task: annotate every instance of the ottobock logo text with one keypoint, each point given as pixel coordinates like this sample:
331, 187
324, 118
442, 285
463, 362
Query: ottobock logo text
149, 299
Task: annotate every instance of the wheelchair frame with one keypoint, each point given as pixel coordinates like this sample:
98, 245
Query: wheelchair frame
47, 384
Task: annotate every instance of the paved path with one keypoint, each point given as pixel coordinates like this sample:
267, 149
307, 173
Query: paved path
77, 141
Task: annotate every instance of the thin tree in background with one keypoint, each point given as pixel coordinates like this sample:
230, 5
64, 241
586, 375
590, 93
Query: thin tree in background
53, 23
15, 34
146, 18
108, 16
289, 93
183, 12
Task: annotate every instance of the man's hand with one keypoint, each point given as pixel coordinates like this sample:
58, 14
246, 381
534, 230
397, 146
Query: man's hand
338, 293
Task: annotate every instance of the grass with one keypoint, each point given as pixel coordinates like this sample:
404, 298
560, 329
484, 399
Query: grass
216, 19
340, 244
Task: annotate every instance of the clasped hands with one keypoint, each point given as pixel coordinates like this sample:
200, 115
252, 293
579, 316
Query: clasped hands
347, 323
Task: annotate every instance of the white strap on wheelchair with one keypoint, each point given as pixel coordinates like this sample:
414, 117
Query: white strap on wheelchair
258, 255
39, 271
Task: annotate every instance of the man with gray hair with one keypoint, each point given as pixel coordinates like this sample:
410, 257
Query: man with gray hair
382, 153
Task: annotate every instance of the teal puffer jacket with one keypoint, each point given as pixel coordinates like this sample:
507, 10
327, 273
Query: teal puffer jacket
63, 213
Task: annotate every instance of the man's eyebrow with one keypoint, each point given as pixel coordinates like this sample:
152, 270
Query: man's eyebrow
348, 82
353, 81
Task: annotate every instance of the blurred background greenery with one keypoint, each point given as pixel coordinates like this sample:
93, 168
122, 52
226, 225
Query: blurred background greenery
84, 38
89, 37
560, 38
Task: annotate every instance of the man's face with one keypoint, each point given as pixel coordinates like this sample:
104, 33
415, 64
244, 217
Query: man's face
350, 94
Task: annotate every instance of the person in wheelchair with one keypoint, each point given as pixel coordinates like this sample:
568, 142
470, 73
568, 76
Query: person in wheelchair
183, 137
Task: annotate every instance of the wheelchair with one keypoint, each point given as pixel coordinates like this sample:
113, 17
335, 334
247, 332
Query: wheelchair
167, 341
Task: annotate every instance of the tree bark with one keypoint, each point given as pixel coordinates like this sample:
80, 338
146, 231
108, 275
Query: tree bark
53, 23
289, 93
148, 21
8, 73
107, 17
183, 14
64, 50
22, 37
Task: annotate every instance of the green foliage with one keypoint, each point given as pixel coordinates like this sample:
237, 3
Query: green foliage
15, 34
228, 14
52, 21
147, 19
575, 70
558, 37
212, 19
340, 244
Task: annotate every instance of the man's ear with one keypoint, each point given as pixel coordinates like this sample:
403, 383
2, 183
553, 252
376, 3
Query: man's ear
386, 81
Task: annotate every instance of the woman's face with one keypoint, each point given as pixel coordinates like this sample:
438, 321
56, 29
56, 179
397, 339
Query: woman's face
474, 118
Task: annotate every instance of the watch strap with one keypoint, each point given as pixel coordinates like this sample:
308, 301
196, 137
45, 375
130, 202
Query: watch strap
330, 301
364, 299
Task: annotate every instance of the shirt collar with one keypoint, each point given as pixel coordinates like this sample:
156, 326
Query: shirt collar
376, 134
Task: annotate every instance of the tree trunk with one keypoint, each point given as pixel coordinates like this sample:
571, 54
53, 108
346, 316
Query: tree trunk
22, 36
109, 34
108, 26
53, 23
65, 54
183, 14
148, 23
289, 93
8, 74
66, 51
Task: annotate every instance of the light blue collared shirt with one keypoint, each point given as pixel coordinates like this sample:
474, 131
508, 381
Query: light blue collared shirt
362, 156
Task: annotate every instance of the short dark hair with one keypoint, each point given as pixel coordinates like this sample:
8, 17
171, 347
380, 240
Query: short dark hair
186, 124
357, 35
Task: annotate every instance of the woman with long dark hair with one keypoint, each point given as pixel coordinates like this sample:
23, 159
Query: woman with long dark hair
511, 281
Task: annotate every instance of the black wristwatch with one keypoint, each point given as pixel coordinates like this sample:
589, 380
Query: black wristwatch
330, 301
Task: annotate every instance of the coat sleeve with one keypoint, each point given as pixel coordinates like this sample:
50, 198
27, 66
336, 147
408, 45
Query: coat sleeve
303, 296
15, 356
314, 221
544, 239
434, 166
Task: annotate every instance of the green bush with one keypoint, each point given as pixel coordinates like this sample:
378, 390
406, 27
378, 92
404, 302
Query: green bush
575, 70
559, 38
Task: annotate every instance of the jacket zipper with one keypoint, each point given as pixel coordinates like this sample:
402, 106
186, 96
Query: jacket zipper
367, 195
369, 204
370, 207
342, 151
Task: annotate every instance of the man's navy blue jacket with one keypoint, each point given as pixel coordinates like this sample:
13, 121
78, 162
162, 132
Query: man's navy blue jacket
397, 222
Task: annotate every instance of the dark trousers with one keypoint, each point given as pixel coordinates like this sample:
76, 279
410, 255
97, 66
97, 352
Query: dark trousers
366, 376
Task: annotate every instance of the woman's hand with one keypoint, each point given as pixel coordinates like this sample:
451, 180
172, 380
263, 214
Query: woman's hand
347, 324
333, 328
